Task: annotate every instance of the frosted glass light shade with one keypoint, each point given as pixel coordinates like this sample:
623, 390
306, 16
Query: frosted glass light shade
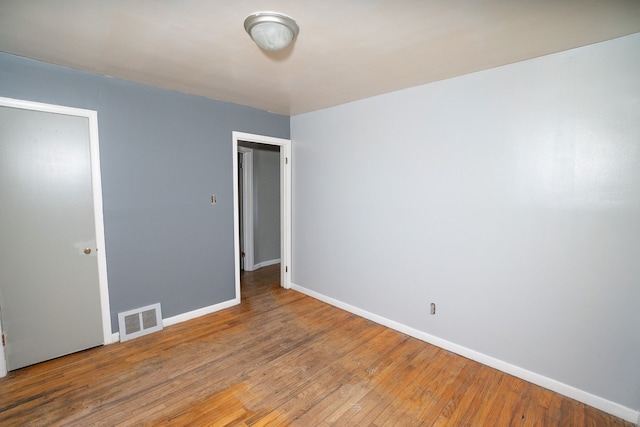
271, 36
271, 30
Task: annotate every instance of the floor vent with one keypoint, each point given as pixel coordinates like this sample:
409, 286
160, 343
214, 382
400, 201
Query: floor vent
141, 321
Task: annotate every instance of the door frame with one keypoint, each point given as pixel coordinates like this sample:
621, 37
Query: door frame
285, 204
96, 182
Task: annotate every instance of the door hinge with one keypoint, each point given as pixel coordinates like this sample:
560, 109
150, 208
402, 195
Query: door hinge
4, 340
286, 269
286, 160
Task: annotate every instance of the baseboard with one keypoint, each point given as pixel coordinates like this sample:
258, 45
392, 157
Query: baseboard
189, 315
199, 312
265, 263
600, 403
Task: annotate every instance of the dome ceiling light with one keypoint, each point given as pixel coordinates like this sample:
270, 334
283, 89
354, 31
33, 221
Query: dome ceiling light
271, 30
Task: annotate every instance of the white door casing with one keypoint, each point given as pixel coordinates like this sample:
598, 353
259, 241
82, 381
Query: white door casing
285, 203
65, 167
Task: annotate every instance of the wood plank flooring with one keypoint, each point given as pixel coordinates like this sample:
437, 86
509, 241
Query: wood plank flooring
279, 358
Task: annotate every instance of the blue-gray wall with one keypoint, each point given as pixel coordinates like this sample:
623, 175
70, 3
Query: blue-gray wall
163, 154
266, 205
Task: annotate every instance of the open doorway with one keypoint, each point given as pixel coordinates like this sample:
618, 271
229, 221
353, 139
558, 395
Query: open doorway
259, 205
247, 148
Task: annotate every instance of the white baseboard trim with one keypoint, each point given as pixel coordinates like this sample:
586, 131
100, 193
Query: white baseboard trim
605, 405
188, 315
266, 263
199, 312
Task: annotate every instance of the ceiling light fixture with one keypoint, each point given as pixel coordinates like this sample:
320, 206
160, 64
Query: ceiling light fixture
271, 30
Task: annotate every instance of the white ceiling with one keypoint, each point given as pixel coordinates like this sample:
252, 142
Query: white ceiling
346, 49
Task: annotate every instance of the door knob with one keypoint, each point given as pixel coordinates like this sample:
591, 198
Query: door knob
87, 251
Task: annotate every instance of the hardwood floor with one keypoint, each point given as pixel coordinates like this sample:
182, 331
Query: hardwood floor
279, 358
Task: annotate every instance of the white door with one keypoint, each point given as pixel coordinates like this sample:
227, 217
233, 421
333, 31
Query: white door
241, 208
50, 295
